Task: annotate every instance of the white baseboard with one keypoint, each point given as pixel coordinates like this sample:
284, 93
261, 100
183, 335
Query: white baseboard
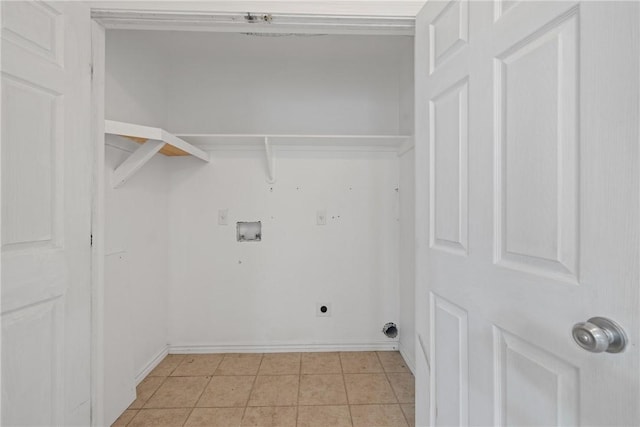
279, 348
155, 360
409, 360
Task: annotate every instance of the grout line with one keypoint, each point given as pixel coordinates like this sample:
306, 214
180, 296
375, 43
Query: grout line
299, 387
134, 415
255, 379
200, 396
386, 374
246, 405
203, 390
156, 390
344, 383
264, 406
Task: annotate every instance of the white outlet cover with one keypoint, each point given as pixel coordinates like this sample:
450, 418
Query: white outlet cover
321, 217
319, 312
223, 217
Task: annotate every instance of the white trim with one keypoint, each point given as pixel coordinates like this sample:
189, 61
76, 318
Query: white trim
407, 8
399, 144
411, 364
150, 366
97, 223
279, 348
282, 142
263, 22
406, 146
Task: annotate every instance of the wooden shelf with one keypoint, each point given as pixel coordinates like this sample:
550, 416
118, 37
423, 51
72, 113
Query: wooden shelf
152, 140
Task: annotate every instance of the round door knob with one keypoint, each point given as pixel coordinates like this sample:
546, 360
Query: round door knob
599, 334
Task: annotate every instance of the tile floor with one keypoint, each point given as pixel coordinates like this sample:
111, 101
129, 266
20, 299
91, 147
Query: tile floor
371, 389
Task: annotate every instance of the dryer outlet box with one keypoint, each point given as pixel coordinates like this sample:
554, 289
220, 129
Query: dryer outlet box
323, 309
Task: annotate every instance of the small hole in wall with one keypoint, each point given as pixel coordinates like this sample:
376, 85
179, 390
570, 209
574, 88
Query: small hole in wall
249, 231
323, 309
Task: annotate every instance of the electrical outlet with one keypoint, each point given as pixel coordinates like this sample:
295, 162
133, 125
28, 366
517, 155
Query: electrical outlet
323, 309
223, 216
321, 218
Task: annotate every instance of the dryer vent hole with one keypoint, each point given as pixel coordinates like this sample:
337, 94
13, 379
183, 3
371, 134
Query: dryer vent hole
390, 330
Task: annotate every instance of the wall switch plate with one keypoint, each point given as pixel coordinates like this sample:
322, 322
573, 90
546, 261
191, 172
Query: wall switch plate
223, 217
323, 309
321, 218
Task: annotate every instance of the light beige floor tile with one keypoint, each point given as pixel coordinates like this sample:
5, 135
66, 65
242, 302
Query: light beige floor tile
160, 417
275, 390
368, 389
360, 362
145, 390
239, 364
409, 411
227, 391
377, 416
178, 392
270, 416
166, 367
125, 418
280, 364
324, 416
215, 417
404, 387
326, 389
321, 363
194, 365
392, 361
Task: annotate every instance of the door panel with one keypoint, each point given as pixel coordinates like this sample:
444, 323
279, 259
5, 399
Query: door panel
536, 220
532, 386
450, 363
448, 152
46, 200
526, 210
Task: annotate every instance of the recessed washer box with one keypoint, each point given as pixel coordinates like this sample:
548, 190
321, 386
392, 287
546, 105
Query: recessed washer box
249, 231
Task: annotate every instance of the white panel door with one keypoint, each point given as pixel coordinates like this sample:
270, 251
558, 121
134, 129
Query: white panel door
527, 179
46, 202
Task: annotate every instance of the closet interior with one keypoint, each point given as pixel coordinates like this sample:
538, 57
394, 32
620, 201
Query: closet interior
306, 136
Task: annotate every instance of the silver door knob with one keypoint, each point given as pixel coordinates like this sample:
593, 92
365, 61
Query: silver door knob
599, 334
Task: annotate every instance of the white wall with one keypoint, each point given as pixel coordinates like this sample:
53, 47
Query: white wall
225, 294
135, 79
234, 83
136, 223
406, 323
137, 213
407, 216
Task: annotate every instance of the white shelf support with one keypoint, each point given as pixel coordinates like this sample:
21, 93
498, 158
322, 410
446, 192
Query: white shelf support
271, 165
153, 140
135, 161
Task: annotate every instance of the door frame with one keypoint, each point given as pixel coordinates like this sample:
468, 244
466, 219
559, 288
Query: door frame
97, 222
370, 18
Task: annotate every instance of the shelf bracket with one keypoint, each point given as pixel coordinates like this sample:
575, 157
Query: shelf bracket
271, 164
135, 161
